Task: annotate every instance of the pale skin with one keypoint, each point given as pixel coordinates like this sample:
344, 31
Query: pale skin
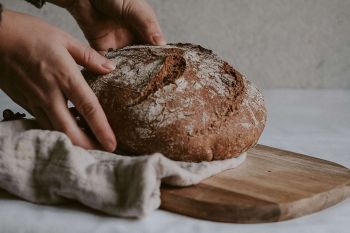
38, 62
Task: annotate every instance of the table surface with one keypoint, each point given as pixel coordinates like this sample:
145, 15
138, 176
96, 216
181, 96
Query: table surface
313, 122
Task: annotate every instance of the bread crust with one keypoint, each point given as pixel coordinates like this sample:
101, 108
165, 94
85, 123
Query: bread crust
181, 100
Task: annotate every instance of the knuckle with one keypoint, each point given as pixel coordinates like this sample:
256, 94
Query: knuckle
42, 67
126, 7
88, 109
88, 55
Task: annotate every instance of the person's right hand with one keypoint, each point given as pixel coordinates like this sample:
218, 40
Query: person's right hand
38, 71
115, 23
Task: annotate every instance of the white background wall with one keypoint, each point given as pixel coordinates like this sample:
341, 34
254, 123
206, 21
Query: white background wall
276, 43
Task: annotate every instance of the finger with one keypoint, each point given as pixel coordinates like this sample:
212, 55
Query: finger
138, 14
41, 118
88, 57
86, 102
119, 37
61, 120
141, 16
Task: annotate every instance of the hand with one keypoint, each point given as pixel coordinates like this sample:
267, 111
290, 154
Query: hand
115, 23
38, 71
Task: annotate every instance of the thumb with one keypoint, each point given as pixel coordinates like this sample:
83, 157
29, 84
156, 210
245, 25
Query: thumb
89, 58
142, 18
138, 14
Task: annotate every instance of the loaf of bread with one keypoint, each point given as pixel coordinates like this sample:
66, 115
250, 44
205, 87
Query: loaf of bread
181, 100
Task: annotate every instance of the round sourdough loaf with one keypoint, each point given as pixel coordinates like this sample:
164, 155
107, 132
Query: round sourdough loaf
181, 100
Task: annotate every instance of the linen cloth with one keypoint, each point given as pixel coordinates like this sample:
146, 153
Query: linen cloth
44, 167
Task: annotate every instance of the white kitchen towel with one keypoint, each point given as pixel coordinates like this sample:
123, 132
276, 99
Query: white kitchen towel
44, 167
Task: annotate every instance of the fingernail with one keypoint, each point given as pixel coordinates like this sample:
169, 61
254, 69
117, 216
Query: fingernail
157, 39
109, 65
110, 146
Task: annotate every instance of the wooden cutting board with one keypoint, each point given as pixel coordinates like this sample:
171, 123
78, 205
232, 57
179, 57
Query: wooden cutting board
271, 185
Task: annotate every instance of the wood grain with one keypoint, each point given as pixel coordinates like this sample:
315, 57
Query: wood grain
272, 185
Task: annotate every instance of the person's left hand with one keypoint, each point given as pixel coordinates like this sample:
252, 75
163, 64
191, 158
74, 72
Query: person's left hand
115, 23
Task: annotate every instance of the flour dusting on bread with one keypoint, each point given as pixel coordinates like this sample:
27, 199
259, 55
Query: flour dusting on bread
181, 100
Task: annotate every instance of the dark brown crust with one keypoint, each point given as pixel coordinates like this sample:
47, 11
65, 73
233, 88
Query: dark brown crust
173, 67
180, 100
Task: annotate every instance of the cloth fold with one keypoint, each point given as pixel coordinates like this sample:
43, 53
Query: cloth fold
44, 167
